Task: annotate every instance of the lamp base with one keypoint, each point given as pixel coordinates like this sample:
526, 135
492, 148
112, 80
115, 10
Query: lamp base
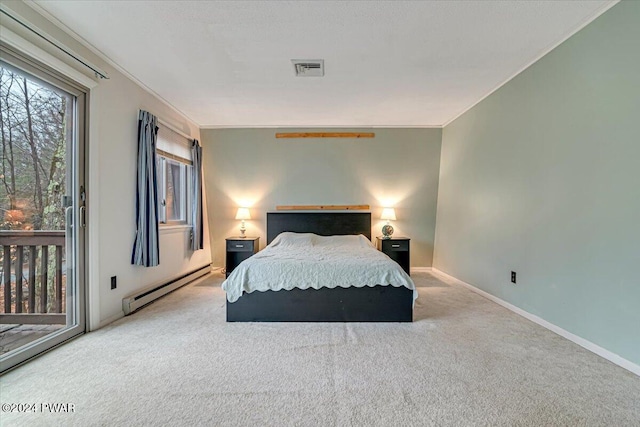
387, 231
242, 230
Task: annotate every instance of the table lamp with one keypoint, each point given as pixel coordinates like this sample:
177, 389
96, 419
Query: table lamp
387, 229
243, 213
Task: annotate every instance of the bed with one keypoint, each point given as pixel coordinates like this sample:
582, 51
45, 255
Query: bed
367, 302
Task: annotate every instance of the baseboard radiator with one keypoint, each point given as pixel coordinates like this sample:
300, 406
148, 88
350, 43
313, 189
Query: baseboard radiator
147, 295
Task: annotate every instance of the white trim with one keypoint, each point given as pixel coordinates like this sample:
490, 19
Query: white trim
144, 296
594, 348
421, 269
25, 46
111, 319
92, 179
542, 53
104, 57
121, 314
175, 228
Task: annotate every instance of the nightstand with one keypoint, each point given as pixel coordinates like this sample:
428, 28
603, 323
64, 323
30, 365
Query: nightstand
396, 248
239, 249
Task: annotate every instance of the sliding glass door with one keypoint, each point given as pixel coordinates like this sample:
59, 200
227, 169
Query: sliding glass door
42, 204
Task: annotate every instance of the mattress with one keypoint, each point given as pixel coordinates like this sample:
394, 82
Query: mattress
306, 260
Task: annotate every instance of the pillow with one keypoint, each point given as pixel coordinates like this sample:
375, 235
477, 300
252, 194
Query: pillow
289, 238
347, 241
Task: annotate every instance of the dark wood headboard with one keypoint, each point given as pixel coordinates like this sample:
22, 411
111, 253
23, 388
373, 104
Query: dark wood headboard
321, 223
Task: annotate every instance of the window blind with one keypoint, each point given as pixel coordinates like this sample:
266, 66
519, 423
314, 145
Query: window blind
172, 145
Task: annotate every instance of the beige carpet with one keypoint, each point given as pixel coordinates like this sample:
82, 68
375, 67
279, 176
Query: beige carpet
464, 361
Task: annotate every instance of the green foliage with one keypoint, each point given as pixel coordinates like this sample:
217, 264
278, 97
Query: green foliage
34, 130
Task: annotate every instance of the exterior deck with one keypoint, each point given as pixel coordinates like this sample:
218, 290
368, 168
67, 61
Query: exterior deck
32, 286
15, 336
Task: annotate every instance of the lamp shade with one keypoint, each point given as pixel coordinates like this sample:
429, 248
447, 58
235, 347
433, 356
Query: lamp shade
388, 214
243, 213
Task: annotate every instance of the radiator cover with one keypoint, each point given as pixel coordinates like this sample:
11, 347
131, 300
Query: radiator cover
147, 295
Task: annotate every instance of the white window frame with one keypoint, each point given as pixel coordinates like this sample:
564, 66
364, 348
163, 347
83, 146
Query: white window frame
162, 165
173, 147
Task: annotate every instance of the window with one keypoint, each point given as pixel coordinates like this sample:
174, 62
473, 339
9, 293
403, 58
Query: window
173, 190
173, 166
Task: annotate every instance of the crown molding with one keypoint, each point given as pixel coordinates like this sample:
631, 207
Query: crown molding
49, 17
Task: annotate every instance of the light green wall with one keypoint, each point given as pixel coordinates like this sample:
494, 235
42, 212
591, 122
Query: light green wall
399, 167
543, 178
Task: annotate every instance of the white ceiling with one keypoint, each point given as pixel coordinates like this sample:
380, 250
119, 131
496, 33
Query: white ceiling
387, 63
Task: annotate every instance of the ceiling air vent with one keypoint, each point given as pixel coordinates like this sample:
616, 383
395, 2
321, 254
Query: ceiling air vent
308, 67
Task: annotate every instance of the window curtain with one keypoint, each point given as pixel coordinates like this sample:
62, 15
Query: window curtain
197, 240
146, 247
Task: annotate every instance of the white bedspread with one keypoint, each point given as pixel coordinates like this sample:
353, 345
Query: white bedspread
305, 260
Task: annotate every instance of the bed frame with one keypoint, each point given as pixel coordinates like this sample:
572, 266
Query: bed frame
366, 304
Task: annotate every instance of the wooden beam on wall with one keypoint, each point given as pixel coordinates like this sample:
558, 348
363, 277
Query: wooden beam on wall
326, 135
322, 208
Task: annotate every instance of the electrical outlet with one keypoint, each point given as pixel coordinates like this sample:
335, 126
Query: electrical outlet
513, 277
114, 282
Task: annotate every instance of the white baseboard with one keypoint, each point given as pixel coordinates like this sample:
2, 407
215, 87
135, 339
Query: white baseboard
121, 314
142, 297
421, 269
108, 320
602, 352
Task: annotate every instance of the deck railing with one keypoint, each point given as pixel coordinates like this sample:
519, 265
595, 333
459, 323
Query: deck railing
34, 293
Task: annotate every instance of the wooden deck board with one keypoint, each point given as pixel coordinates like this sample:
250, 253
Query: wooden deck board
15, 336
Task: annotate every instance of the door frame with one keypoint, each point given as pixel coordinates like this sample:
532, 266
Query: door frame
79, 158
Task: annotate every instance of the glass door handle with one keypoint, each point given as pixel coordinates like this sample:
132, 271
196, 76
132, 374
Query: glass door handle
83, 216
68, 217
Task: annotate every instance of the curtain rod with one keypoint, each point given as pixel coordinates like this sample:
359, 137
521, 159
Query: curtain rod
97, 71
175, 130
